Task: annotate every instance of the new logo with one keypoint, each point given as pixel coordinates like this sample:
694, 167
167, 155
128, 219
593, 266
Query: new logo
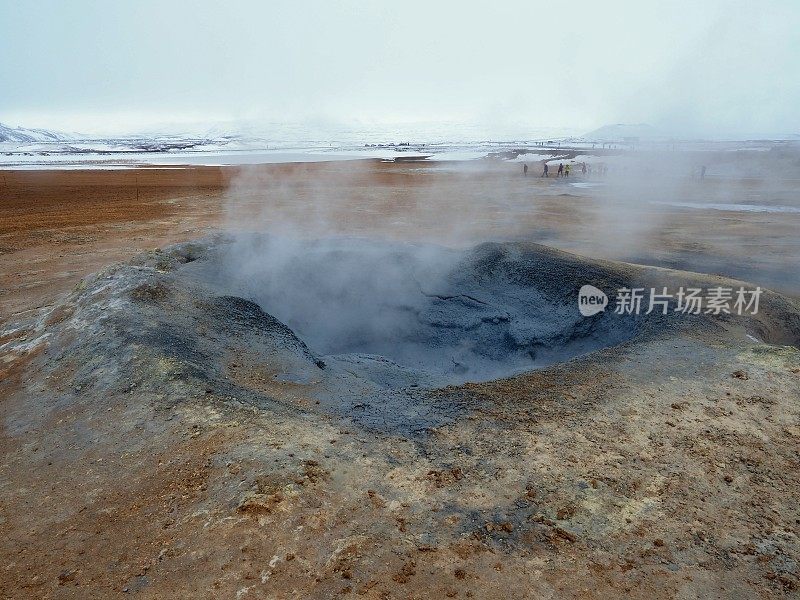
591, 300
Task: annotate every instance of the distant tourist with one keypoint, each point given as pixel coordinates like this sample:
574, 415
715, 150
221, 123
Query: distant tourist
703, 172
583, 168
525, 169
566, 171
560, 170
544, 172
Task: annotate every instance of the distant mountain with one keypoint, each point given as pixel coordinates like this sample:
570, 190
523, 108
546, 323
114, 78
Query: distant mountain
620, 131
22, 135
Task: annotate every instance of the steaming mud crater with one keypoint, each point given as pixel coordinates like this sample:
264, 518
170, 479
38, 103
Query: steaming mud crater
441, 315
366, 330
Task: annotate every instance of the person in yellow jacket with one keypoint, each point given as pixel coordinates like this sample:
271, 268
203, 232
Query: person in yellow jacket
566, 171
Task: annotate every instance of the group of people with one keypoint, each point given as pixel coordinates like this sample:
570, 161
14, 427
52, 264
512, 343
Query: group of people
564, 170
599, 169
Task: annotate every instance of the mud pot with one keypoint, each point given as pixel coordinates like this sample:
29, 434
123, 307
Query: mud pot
354, 417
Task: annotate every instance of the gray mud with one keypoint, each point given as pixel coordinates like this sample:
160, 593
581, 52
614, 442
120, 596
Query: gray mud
400, 312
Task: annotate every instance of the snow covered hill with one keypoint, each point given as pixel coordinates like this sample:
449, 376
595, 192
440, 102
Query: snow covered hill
20, 134
622, 131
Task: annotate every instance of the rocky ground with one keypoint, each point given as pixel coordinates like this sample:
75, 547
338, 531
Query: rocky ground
163, 441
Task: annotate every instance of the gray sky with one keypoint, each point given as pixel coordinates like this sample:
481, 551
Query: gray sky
703, 67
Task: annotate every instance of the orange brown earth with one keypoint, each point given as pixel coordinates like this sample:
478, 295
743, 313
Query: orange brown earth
58, 226
663, 467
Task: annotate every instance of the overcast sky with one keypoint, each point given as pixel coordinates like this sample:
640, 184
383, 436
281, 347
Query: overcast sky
701, 66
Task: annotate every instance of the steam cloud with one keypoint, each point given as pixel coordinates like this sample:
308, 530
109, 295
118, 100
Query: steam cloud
352, 256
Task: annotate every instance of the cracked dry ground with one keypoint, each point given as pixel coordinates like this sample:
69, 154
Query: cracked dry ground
668, 470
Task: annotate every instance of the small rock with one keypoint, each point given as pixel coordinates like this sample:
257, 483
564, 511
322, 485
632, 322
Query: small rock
563, 533
67, 577
565, 512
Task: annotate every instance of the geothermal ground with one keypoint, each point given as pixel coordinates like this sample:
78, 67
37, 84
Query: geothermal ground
375, 384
